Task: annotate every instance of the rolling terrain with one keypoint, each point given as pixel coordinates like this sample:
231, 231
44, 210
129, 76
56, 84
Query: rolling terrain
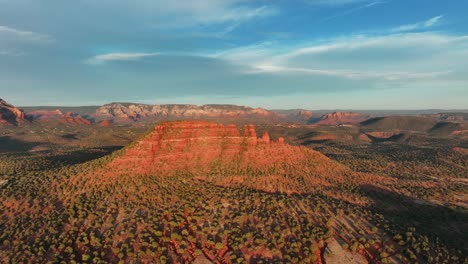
386, 190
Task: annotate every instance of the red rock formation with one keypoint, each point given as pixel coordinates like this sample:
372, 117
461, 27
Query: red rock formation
74, 118
265, 138
204, 148
281, 140
44, 115
105, 123
306, 115
57, 115
10, 114
302, 115
250, 134
341, 118
121, 112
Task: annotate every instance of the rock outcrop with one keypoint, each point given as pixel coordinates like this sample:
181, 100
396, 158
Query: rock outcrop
57, 115
224, 155
105, 123
300, 116
127, 112
10, 114
74, 118
341, 118
44, 115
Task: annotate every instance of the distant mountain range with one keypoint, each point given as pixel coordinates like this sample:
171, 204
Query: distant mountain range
130, 113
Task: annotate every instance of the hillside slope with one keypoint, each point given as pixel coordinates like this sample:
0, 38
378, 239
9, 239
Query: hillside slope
406, 123
201, 192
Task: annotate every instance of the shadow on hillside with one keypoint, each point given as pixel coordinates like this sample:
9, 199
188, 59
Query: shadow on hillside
9, 144
308, 135
430, 219
80, 156
316, 141
393, 138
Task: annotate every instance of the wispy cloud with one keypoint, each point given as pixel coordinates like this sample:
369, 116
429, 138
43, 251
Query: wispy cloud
351, 74
335, 2
405, 43
9, 33
354, 10
362, 57
11, 53
102, 58
165, 14
420, 25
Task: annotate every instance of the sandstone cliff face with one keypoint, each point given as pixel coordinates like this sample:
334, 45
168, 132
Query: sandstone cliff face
341, 118
120, 112
10, 114
204, 149
74, 118
57, 115
44, 115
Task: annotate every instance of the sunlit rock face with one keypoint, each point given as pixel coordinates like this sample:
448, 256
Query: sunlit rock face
189, 145
341, 118
57, 115
120, 112
196, 145
226, 156
10, 114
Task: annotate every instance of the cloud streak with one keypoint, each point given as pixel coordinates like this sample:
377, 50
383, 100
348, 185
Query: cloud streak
335, 2
109, 57
363, 57
420, 25
353, 10
194, 13
9, 33
351, 74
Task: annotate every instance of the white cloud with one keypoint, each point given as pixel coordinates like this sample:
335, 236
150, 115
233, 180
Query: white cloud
409, 57
251, 53
351, 74
356, 43
178, 14
102, 58
420, 25
8, 33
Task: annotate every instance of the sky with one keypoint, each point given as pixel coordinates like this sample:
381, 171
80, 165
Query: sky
277, 54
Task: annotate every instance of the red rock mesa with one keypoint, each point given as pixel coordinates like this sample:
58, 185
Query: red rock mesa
211, 151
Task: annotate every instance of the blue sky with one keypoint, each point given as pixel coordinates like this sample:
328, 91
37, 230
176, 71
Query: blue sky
313, 54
